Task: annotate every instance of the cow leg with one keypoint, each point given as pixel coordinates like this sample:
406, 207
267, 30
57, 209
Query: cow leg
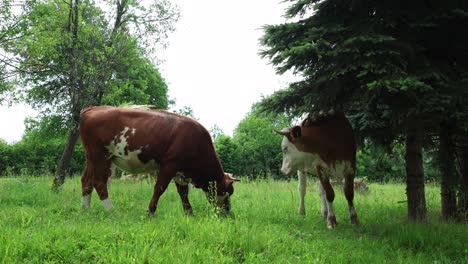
323, 200
302, 177
330, 194
166, 173
86, 187
102, 174
349, 193
183, 193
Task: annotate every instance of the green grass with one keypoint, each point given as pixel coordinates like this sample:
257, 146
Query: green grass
40, 226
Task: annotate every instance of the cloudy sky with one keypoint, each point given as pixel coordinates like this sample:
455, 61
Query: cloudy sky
211, 63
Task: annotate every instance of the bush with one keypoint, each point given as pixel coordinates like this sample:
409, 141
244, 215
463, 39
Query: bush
37, 158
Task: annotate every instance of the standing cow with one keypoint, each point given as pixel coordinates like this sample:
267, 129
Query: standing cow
140, 140
324, 144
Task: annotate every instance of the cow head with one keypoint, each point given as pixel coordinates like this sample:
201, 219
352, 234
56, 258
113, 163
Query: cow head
293, 159
228, 191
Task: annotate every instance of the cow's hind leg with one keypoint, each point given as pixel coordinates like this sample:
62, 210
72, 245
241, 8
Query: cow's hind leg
86, 186
302, 177
183, 190
330, 194
102, 172
166, 173
323, 200
349, 193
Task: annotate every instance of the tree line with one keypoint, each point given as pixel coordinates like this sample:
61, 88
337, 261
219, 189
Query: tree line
252, 152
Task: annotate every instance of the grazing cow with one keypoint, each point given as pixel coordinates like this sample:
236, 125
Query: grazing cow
325, 144
141, 140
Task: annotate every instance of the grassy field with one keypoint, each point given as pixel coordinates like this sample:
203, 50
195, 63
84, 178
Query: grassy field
40, 226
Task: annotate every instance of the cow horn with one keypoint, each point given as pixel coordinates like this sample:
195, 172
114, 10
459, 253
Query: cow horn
283, 132
229, 175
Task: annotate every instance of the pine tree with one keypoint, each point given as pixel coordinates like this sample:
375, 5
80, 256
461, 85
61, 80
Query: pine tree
395, 67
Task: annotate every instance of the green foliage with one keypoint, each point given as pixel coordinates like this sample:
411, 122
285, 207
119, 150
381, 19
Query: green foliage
264, 227
12, 27
37, 157
39, 149
75, 55
186, 111
254, 148
386, 63
228, 153
139, 82
387, 164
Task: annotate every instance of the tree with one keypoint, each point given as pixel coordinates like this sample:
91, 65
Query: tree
13, 16
396, 67
228, 153
75, 54
258, 145
186, 111
215, 132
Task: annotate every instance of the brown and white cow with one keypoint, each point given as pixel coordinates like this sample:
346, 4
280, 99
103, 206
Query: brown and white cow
141, 140
327, 146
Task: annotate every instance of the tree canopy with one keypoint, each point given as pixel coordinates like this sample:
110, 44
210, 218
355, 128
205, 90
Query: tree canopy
77, 53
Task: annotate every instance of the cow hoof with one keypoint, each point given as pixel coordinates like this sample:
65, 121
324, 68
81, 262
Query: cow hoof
189, 212
354, 220
302, 212
331, 222
150, 212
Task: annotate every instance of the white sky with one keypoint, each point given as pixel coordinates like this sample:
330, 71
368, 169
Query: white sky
211, 63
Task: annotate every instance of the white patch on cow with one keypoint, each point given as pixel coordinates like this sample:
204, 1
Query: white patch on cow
181, 179
107, 204
86, 201
294, 159
125, 159
339, 170
133, 131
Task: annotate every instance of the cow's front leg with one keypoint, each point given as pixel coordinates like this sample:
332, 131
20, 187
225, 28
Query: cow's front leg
183, 190
302, 177
330, 194
166, 173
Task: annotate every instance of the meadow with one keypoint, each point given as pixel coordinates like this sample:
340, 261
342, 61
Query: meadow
39, 225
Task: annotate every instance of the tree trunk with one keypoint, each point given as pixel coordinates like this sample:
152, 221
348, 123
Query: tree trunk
415, 174
448, 174
463, 192
64, 163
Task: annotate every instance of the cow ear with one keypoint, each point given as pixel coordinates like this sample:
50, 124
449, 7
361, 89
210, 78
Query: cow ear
296, 132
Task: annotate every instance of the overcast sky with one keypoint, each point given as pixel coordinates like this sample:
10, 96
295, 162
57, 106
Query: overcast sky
211, 63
